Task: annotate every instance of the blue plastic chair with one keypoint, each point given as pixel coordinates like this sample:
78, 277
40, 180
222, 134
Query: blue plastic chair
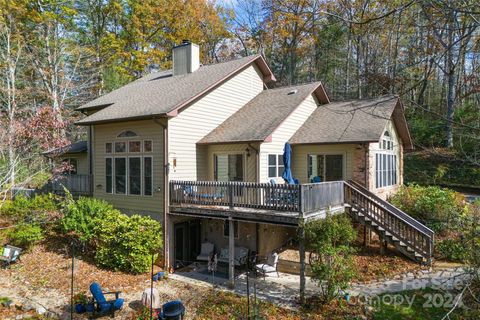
316, 179
173, 310
102, 305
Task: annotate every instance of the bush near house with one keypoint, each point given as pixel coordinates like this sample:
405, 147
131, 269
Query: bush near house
120, 242
127, 243
25, 235
81, 217
441, 209
22, 207
331, 261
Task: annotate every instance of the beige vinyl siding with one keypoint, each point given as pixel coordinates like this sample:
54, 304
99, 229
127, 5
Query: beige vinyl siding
196, 121
300, 158
82, 161
249, 162
398, 150
283, 133
146, 130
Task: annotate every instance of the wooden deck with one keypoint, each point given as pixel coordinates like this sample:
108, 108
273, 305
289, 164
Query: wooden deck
76, 184
255, 202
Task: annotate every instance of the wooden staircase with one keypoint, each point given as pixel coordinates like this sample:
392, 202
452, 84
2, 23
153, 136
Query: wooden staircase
410, 237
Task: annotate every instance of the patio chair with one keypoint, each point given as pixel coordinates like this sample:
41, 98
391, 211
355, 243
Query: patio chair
240, 256
10, 255
206, 251
316, 179
172, 310
269, 266
101, 304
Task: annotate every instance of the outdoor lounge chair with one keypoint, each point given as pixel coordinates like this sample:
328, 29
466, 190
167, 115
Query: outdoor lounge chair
206, 251
10, 255
240, 256
269, 266
101, 304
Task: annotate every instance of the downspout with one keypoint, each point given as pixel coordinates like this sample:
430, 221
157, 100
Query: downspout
166, 246
257, 180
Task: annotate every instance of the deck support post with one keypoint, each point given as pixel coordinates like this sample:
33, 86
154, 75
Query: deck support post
367, 235
383, 246
231, 253
301, 249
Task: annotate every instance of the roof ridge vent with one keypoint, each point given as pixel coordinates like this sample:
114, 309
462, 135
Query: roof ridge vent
292, 91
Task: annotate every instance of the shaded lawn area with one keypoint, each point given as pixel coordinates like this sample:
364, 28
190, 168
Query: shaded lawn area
220, 305
423, 304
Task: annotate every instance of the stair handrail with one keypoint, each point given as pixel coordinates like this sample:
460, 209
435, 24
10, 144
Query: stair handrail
392, 209
425, 252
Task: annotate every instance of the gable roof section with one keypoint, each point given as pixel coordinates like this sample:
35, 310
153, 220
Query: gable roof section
258, 119
353, 121
161, 94
76, 147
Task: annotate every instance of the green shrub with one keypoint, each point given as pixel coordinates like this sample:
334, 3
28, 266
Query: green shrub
331, 261
80, 217
127, 243
452, 250
441, 209
23, 207
25, 235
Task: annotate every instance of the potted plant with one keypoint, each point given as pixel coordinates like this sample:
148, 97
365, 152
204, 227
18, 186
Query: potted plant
80, 301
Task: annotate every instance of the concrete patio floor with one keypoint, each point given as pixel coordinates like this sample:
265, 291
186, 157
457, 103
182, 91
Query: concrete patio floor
284, 290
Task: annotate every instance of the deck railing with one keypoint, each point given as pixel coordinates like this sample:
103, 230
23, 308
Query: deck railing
408, 230
266, 196
77, 184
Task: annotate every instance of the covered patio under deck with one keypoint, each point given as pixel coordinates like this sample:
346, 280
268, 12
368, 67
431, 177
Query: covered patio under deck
262, 204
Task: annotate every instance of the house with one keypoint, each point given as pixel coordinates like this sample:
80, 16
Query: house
200, 149
76, 176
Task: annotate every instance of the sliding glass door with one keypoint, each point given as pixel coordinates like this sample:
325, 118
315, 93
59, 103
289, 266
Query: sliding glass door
328, 167
229, 167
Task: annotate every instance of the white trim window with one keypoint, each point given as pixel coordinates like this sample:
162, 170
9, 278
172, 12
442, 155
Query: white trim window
275, 165
120, 169
147, 176
109, 175
130, 173
386, 163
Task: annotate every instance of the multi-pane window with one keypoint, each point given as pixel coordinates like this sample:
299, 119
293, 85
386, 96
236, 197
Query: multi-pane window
228, 167
109, 175
128, 171
135, 175
121, 175
147, 176
325, 167
386, 163
275, 165
226, 229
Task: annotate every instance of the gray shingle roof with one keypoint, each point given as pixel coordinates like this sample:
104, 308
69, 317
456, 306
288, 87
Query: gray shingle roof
257, 120
161, 93
76, 147
347, 121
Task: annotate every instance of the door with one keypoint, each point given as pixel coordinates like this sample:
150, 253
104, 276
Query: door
229, 167
179, 243
186, 242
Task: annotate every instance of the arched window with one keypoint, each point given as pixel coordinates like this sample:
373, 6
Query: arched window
386, 162
127, 134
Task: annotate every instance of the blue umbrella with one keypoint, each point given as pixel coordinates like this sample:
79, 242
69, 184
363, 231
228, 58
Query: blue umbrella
287, 162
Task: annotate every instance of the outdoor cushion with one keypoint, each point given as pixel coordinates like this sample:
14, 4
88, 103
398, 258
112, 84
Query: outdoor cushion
6, 252
240, 255
266, 268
